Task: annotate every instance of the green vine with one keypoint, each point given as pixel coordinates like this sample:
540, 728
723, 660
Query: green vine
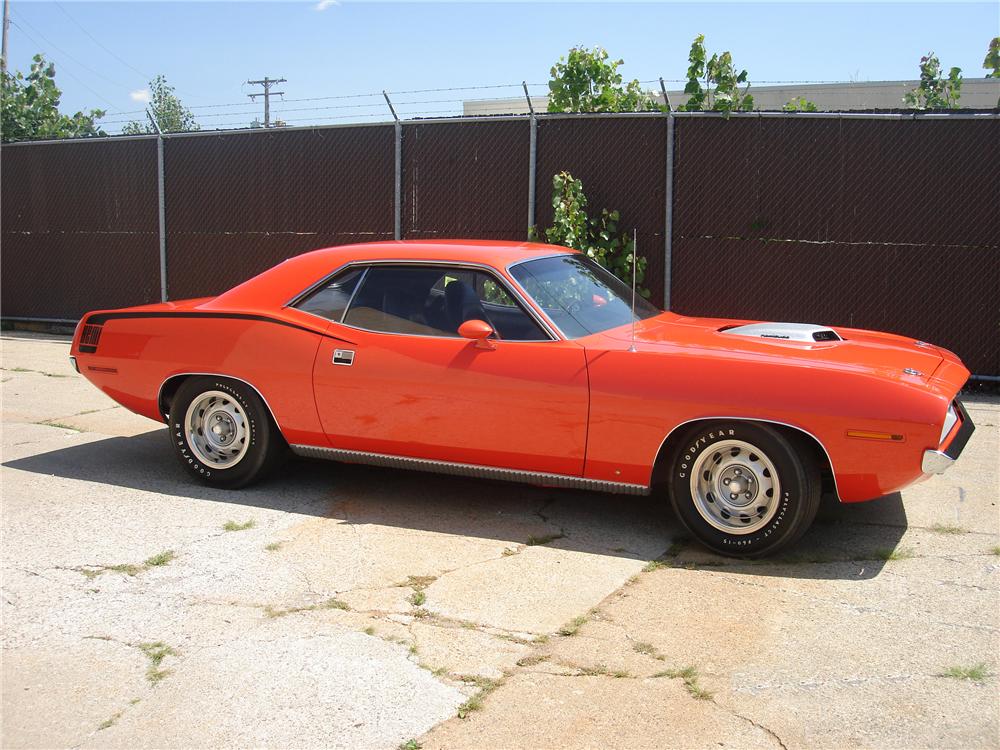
721, 90
935, 91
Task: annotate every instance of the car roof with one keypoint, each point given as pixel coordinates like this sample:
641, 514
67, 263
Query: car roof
277, 285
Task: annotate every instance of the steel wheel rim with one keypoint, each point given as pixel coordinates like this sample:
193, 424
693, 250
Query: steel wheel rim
735, 487
216, 428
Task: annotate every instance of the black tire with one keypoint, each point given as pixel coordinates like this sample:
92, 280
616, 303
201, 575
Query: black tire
264, 445
716, 450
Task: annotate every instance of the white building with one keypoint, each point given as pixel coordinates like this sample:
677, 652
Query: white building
977, 93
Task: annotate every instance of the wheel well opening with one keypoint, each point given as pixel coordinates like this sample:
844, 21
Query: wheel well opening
661, 467
167, 392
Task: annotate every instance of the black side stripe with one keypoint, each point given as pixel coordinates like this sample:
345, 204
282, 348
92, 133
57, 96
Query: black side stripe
102, 318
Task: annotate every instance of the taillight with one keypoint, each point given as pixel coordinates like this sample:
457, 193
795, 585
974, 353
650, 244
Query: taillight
89, 338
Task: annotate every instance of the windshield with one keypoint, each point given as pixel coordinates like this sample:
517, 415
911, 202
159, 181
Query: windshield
578, 295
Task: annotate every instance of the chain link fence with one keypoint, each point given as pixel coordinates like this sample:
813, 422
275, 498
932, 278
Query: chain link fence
876, 221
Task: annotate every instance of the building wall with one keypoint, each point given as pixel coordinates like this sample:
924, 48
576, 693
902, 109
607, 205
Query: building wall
977, 93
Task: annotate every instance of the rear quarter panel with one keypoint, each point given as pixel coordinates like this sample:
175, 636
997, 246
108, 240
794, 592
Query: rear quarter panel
137, 354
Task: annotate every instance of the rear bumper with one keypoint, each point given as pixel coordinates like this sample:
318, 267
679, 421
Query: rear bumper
939, 461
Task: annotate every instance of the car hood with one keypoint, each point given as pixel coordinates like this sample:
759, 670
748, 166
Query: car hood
886, 354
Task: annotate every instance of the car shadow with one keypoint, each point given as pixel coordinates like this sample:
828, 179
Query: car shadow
846, 542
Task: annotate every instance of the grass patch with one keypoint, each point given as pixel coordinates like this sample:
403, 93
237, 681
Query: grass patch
273, 546
573, 626
995, 550
160, 559
475, 702
534, 541
421, 613
508, 551
690, 677
942, 528
410, 745
899, 553
332, 603
130, 569
108, 723
369, 630
61, 426
677, 546
156, 652
975, 673
418, 597
654, 565
530, 661
647, 649
233, 526
419, 583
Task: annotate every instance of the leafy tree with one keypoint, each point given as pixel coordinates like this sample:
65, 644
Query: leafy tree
30, 107
720, 73
799, 104
992, 60
933, 91
585, 81
598, 236
170, 114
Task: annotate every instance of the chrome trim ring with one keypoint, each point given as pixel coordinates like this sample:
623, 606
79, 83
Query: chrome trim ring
735, 487
216, 430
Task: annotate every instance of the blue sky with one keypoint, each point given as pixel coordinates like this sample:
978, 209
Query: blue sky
105, 51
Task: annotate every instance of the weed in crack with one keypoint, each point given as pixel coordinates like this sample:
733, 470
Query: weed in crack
573, 626
475, 702
690, 677
535, 541
976, 673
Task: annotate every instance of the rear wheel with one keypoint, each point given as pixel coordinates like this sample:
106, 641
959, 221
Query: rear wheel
222, 432
744, 489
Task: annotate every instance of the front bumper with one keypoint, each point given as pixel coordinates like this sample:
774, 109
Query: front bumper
938, 461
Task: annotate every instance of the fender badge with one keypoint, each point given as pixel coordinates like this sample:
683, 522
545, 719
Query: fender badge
911, 371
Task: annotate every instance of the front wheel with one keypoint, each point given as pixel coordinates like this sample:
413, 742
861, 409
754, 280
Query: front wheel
222, 432
744, 489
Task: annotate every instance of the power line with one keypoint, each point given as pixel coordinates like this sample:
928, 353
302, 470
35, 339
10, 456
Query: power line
68, 72
96, 41
67, 54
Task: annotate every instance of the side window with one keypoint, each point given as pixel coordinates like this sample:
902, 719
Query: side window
435, 301
404, 299
331, 299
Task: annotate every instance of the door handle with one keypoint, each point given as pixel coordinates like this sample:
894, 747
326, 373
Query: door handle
343, 357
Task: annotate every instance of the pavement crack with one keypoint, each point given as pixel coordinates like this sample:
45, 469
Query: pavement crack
767, 730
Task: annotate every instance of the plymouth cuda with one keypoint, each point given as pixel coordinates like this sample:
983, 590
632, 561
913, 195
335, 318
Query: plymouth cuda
531, 363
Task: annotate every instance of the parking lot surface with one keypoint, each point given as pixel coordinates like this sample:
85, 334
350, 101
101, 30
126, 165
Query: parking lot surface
347, 606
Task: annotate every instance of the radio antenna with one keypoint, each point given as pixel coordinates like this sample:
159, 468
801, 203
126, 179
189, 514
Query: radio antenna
635, 247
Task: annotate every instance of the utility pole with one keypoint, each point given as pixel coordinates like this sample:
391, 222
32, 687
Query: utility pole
267, 83
6, 25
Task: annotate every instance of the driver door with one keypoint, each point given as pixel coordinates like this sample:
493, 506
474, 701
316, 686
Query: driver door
409, 385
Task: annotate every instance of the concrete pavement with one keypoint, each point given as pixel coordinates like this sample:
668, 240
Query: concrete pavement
340, 606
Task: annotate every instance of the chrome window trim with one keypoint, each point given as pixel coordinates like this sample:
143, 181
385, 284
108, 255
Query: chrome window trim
833, 471
543, 323
480, 471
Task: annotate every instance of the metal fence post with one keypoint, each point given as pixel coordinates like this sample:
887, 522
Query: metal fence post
532, 159
161, 206
668, 225
397, 232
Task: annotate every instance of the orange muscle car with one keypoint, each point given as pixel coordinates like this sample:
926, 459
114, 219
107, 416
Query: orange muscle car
531, 363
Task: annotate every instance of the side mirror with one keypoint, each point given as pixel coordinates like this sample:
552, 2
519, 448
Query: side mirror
479, 331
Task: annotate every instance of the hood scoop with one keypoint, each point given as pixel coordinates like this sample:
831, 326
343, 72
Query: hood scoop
784, 332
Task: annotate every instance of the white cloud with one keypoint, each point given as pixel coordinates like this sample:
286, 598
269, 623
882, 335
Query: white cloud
139, 95
324, 4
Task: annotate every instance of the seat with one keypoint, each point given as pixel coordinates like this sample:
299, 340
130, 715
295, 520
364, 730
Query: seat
462, 304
